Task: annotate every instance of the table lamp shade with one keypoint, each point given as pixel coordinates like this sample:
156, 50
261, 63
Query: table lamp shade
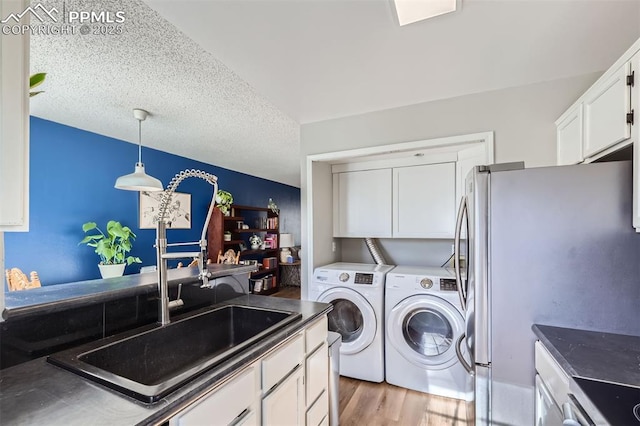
286, 240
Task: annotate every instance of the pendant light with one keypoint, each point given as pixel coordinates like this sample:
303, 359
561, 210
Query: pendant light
139, 180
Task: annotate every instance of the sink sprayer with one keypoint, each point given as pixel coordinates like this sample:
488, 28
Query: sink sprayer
161, 242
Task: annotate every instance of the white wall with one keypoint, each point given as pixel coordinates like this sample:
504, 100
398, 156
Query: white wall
522, 119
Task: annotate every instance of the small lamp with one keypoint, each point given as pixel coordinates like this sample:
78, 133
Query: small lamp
286, 241
139, 180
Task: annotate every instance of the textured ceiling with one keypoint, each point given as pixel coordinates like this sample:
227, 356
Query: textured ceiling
228, 81
199, 108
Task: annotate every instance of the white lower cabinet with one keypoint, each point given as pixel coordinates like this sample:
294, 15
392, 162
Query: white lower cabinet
318, 413
287, 386
284, 405
317, 373
232, 403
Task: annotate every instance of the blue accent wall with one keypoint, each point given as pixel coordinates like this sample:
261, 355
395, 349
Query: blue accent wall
72, 173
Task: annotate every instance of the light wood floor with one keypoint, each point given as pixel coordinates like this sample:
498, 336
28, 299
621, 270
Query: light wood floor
366, 403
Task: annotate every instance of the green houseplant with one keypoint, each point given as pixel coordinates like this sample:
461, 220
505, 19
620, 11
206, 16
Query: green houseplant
112, 247
223, 201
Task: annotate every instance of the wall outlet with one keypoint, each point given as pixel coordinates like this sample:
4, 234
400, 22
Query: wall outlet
333, 246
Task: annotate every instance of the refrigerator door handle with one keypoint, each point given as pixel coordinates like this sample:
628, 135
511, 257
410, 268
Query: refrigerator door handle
463, 361
456, 252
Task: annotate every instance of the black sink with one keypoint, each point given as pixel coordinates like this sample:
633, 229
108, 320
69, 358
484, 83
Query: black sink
615, 402
150, 364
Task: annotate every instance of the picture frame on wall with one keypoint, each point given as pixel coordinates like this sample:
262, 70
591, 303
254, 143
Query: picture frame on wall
178, 215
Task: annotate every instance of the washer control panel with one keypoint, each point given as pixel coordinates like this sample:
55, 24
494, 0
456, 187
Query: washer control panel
364, 279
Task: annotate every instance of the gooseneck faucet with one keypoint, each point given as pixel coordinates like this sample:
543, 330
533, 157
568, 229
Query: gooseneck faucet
161, 241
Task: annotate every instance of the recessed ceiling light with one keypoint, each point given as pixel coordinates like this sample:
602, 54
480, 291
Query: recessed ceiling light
410, 11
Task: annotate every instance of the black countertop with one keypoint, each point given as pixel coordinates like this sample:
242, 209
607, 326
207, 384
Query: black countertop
37, 392
55, 298
603, 370
606, 357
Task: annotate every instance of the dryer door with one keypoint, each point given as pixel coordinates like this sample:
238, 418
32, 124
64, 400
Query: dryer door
352, 316
424, 329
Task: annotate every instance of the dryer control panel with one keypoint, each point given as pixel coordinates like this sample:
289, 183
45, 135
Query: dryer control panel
448, 284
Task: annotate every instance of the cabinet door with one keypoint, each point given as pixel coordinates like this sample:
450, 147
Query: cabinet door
284, 405
317, 374
363, 200
424, 201
605, 112
635, 102
569, 137
14, 125
222, 406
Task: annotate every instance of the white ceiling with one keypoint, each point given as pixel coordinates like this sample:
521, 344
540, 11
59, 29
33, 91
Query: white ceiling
228, 81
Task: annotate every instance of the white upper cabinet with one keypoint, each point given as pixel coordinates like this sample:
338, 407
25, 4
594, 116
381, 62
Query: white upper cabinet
606, 106
411, 194
604, 120
14, 125
362, 203
424, 201
569, 137
635, 135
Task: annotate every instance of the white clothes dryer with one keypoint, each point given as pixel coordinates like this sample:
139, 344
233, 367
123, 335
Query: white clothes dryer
423, 322
356, 291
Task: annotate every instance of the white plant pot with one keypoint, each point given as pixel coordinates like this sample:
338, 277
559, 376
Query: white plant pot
110, 271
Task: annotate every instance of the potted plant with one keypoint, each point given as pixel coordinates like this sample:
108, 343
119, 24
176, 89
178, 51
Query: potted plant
223, 201
112, 247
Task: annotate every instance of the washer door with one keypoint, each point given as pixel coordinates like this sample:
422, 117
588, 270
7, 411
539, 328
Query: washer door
352, 316
424, 329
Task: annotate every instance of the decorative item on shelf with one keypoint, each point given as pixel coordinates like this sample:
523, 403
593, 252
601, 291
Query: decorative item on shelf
227, 236
112, 247
224, 199
273, 206
255, 242
17, 280
139, 180
286, 242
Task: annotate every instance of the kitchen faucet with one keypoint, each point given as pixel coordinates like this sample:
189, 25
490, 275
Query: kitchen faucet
161, 242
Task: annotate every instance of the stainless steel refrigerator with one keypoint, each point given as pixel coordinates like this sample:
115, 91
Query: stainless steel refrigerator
550, 245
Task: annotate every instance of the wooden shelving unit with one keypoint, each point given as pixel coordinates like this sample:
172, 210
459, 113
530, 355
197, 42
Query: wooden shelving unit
261, 221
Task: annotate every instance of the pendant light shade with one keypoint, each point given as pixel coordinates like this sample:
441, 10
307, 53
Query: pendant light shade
139, 180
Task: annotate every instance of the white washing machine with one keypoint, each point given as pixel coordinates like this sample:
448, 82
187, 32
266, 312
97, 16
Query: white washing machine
424, 319
356, 291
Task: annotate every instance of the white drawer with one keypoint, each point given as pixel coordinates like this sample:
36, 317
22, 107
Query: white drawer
551, 373
317, 373
222, 404
278, 364
319, 411
316, 334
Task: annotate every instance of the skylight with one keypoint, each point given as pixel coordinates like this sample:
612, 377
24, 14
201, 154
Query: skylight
410, 11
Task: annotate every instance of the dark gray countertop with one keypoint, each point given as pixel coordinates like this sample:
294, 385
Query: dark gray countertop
606, 357
59, 297
39, 393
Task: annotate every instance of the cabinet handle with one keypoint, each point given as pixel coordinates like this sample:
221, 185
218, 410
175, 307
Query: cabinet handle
241, 417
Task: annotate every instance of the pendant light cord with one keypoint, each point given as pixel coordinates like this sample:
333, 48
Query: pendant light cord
139, 141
